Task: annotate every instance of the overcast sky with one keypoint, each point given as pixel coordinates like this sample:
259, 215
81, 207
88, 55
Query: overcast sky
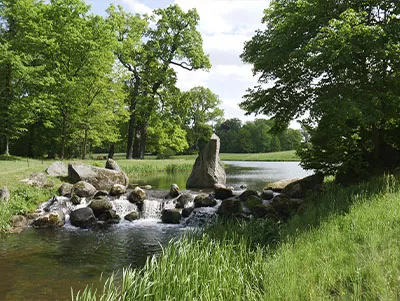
225, 25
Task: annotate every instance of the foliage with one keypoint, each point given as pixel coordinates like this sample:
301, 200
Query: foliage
148, 48
338, 61
255, 137
343, 246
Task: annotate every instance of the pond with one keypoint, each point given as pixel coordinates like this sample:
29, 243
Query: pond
45, 264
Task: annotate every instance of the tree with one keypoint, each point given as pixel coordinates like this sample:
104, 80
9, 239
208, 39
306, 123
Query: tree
338, 61
228, 132
148, 52
18, 68
201, 112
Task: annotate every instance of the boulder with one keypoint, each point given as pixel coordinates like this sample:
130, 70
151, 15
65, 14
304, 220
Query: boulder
19, 221
183, 200
204, 200
37, 179
83, 218
132, 216
76, 200
147, 187
57, 169
137, 197
4, 194
83, 189
265, 211
99, 206
267, 194
100, 178
285, 207
230, 207
65, 189
279, 185
113, 165
109, 215
117, 189
222, 192
252, 201
300, 188
170, 216
187, 211
100, 193
207, 169
247, 193
51, 220
174, 191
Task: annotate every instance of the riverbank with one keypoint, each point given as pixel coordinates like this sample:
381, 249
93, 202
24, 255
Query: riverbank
344, 245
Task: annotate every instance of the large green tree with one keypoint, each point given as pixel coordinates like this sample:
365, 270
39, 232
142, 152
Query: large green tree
339, 62
149, 47
19, 68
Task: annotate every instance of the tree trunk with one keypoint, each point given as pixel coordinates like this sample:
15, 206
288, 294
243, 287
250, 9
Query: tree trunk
111, 151
143, 140
137, 143
6, 146
131, 134
84, 146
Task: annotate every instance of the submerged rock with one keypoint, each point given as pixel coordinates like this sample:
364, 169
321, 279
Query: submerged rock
137, 197
170, 216
222, 192
204, 200
131, 216
100, 206
207, 169
83, 218
50, 220
187, 211
183, 200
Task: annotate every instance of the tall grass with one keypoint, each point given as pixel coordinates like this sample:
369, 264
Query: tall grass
345, 245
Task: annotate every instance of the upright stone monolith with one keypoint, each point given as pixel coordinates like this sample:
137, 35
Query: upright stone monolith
207, 169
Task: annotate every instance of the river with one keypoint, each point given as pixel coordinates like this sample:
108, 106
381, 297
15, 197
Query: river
45, 264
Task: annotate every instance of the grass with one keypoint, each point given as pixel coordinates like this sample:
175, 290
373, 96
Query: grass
345, 245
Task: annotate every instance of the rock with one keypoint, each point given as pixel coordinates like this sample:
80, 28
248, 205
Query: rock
265, 211
187, 211
300, 188
100, 194
99, 206
37, 179
113, 165
285, 207
100, 178
230, 207
245, 194
57, 169
137, 197
65, 189
183, 200
83, 218
108, 215
132, 216
4, 194
147, 187
117, 189
51, 220
76, 200
243, 186
207, 169
222, 192
267, 194
279, 185
174, 190
204, 200
252, 201
83, 189
170, 216
19, 221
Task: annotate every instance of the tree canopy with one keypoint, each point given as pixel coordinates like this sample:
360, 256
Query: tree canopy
336, 62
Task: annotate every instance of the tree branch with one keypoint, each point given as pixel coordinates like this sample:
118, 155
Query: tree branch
183, 65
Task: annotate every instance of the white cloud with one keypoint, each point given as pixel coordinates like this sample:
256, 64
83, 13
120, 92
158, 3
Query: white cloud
137, 7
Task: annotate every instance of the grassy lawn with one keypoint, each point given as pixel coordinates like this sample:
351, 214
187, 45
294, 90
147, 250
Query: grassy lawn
345, 245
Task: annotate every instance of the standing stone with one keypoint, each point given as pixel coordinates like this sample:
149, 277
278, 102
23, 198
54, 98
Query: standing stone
57, 169
207, 169
4, 194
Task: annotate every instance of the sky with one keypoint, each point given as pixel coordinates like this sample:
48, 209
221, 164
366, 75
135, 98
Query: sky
225, 25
